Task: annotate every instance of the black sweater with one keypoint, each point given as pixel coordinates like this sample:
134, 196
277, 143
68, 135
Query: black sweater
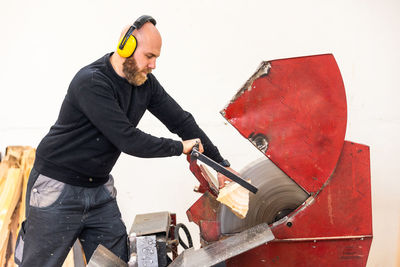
98, 120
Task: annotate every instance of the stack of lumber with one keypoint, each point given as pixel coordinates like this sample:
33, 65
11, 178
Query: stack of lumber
15, 168
14, 173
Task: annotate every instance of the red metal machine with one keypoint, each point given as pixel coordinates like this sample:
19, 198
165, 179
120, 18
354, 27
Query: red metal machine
311, 195
314, 187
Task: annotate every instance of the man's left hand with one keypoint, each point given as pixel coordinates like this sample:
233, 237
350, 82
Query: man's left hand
223, 180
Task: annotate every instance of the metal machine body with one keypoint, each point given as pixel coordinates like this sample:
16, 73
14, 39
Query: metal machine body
153, 235
226, 248
294, 111
151, 238
312, 201
333, 228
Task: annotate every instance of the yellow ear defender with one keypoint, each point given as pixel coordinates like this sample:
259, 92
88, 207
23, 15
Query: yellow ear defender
127, 45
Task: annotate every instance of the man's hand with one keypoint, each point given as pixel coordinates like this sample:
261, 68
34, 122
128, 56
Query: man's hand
223, 180
189, 144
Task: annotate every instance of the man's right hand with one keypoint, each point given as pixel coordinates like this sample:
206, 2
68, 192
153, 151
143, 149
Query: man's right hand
189, 144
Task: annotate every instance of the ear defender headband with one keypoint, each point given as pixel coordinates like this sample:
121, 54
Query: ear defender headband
127, 45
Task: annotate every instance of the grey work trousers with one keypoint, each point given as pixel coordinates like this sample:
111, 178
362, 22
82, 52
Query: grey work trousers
58, 213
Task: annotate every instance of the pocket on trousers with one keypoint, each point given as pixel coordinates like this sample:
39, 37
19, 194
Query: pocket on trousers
109, 187
45, 192
19, 246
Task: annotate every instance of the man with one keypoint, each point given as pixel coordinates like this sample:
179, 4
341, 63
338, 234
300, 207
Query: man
70, 192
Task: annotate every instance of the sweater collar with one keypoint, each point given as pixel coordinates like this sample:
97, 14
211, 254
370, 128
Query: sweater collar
111, 69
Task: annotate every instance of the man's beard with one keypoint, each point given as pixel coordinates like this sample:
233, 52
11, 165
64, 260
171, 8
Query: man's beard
132, 72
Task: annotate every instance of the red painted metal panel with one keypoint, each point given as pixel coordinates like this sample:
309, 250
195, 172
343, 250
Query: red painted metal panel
210, 231
343, 207
294, 111
174, 247
204, 209
340, 213
298, 107
340, 253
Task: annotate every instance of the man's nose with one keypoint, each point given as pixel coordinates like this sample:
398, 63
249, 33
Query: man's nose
152, 64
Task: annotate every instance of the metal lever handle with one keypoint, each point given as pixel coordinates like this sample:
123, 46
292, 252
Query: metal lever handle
221, 169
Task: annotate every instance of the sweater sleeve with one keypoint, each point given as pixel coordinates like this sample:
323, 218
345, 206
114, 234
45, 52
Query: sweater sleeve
179, 121
97, 102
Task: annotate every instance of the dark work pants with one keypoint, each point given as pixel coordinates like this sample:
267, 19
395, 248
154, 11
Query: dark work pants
57, 214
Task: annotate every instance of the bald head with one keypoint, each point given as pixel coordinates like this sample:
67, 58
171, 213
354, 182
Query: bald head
136, 67
147, 34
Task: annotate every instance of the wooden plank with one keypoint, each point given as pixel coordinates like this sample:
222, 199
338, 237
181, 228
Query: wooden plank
14, 173
3, 169
236, 198
3, 250
13, 229
8, 200
14, 155
28, 158
75, 256
69, 261
3, 174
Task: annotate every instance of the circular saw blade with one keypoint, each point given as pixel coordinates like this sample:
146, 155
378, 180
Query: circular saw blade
277, 196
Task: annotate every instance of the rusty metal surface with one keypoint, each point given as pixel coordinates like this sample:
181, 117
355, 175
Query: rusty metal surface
294, 111
173, 246
278, 196
226, 248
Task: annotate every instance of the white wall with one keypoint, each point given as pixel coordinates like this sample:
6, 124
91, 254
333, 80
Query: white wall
210, 48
